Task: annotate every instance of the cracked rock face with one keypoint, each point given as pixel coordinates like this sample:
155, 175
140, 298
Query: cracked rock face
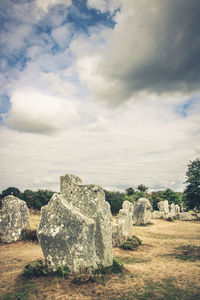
123, 228
142, 212
75, 227
14, 217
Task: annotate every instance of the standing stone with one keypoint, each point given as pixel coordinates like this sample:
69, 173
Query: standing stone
156, 214
177, 209
172, 209
123, 228
142, 212
75, 227
164, 206
186, 216
14, 217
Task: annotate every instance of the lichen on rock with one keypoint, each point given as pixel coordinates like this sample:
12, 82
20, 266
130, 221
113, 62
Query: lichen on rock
75, 227
142, 212
14, 217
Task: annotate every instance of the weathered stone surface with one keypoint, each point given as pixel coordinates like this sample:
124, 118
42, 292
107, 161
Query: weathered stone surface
156, 214
163, 206
14, 217
142, 212
177, 209
169, 217
186, 216
123, 228
172, 209
75, 227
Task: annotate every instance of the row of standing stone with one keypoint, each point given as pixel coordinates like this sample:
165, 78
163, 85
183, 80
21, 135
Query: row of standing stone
76, 227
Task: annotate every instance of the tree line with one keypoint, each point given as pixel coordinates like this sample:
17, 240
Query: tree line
189, 199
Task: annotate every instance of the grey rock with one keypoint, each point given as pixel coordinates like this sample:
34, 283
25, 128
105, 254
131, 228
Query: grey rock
186, 216
75, 227
177, 209
169, 217
123, 228
156, 214
142, 212
14, 217
163, 206
172, 209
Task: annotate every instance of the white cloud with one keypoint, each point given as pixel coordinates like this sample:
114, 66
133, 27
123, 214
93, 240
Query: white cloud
47, 4
62, 35
57, 127
128, 145
39, 113
104, 5
149, 49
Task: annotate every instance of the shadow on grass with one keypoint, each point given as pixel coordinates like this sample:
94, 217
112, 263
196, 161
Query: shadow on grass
132, 260
160, 291
22, 293
186, 253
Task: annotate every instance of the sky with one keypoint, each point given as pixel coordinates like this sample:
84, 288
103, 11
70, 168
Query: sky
105, 90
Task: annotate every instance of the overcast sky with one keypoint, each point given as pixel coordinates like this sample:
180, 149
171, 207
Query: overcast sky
107, 90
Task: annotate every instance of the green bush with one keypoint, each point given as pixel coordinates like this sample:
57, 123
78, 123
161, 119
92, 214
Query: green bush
39, 268
115, 268
115, 199
131, 244
35, 269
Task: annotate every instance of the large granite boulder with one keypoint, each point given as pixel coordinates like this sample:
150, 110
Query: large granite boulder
142, 212
75, 227
123, 228
13, 218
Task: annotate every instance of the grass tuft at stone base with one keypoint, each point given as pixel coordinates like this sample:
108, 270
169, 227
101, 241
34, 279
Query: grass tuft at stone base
39, 268
131, 244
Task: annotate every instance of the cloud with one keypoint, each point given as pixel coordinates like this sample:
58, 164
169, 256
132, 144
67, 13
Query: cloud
62, 35
152, 48
39, 113
126, 146
104, 5
60, 63
47, 4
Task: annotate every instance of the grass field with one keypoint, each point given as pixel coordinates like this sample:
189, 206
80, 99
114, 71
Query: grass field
165, 266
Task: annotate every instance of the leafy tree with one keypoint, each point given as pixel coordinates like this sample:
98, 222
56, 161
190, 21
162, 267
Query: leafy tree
171, 196
11, 191
130, 191
115, 199
192, 189
168, 194
37, 199
155, 197
142, 188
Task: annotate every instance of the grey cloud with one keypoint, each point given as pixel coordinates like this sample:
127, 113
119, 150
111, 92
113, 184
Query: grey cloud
155, 47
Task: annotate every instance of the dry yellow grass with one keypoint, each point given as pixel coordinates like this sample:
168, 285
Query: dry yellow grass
152, 272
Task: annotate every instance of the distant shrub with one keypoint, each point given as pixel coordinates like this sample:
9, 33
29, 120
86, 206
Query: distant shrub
29, 235
131, 244
115, 199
